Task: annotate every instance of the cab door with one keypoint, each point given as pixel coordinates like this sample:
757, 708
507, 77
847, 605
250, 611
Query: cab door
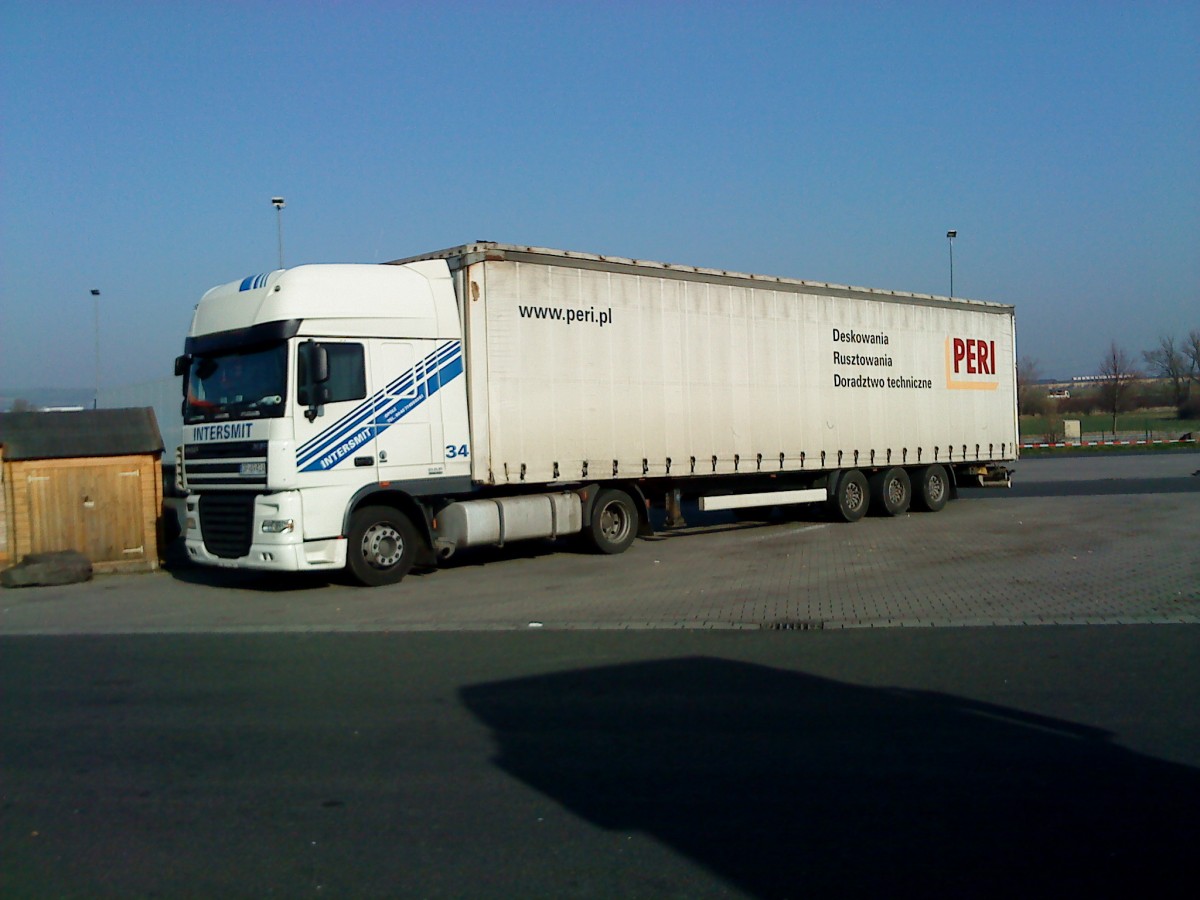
335, 439
408, 426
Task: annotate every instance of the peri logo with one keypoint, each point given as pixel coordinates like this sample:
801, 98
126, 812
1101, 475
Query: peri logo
966, 360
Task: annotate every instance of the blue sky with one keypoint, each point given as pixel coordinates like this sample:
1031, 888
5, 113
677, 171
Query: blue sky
142, 143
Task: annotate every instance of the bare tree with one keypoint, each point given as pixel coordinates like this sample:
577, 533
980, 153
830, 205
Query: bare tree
1190, 408
1031, 396
1191, 352
21, 405
1170, 362
1117, 376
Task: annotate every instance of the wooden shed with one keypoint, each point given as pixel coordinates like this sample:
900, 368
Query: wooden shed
89, 481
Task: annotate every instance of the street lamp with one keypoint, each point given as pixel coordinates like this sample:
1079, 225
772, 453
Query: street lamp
96, 333
278, 203
951, 235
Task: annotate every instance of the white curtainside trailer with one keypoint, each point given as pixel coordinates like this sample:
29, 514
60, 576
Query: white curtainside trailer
582, 366
571, 392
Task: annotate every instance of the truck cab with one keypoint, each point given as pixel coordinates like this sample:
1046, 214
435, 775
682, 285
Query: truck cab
312, 393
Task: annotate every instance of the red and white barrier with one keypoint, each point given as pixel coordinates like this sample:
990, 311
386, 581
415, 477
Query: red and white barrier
1075, 444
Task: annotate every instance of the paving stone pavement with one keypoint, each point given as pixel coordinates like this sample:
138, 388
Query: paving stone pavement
1034, 561
1091, 542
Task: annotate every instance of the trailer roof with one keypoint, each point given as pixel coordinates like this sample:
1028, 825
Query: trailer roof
468, 254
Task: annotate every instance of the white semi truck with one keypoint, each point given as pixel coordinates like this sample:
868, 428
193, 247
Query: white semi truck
374, 417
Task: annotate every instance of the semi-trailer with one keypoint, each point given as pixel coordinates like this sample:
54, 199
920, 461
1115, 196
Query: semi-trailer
374, 417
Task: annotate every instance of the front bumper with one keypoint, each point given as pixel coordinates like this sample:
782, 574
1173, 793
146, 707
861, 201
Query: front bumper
279, 546
309, 556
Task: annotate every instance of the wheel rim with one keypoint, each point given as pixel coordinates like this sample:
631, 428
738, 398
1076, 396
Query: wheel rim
614, 522
936, 489
895, 492
853, 493
382, 546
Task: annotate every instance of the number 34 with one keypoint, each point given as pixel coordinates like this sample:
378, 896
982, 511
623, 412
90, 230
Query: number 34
453, 452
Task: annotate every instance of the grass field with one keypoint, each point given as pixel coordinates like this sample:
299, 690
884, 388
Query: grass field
1152, 424
1108, 450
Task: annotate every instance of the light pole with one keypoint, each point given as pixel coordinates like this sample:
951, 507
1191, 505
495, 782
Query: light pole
96, 333
950, 236
278, 203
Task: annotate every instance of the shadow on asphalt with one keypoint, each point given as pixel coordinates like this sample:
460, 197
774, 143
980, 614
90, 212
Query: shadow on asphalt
790, 785
181, 568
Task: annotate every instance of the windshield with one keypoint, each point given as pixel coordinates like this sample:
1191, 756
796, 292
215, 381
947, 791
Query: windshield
242, 384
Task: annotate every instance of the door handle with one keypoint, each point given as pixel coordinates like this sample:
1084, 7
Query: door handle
361, 461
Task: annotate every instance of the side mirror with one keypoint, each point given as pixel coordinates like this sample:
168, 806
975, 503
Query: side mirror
182, 364
312, 392
320, 364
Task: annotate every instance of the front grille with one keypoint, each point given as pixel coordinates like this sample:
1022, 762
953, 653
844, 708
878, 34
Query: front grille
233, 465
227, 521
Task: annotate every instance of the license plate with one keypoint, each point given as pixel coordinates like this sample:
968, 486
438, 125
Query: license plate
253, 468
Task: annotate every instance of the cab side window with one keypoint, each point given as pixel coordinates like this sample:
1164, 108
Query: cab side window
347, 374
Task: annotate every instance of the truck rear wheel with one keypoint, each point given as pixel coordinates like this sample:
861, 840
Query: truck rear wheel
614, 522
932, 488
850, 497
891, 491
382, 545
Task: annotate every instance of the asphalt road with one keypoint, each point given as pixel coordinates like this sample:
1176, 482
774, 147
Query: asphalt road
722, 712
932, 762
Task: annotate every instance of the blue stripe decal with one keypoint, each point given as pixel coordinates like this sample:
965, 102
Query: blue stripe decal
381, 411
368, 409
253, 282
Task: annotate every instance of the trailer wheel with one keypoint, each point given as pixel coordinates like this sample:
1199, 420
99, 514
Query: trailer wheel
932, 489
382, 545
891, 491
850, 497
614, 522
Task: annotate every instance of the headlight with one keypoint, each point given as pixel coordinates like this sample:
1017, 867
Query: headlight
277, 526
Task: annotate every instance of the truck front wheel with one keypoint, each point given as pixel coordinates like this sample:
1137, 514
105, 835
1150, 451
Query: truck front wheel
614, 522
382, 545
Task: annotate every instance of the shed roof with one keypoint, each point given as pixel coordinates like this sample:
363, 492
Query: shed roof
89, 432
